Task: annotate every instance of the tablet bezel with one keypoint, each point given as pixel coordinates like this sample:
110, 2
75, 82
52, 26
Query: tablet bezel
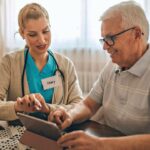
40, 127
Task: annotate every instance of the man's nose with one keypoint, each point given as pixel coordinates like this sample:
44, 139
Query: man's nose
105, 46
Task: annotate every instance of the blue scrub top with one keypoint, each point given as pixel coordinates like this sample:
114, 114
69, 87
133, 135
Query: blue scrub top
34, 77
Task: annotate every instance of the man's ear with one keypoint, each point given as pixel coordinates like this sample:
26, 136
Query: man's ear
138, 32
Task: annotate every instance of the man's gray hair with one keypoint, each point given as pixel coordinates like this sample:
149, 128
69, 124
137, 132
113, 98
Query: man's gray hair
132, 15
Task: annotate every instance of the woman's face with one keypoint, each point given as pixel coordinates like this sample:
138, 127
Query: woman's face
37, 35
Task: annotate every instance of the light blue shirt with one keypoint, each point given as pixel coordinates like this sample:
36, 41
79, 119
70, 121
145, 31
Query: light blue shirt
124, 96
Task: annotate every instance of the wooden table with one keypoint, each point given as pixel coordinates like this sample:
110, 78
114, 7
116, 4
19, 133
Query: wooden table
91, 127
96, 129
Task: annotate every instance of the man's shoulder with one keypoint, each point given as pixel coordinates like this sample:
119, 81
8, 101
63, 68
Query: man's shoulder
110, 66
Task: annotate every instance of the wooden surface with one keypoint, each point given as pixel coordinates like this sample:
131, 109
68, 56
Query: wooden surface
96, 129
90, 127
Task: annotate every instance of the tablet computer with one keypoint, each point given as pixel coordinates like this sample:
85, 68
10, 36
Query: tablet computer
39, 126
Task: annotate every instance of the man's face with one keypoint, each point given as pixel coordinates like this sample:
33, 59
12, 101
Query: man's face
124, 50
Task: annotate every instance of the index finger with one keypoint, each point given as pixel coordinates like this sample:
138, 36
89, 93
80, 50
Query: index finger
37, 103
68, 136
56, 116
58, 119
67, 122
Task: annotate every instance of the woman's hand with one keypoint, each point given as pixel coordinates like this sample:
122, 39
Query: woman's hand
31, 103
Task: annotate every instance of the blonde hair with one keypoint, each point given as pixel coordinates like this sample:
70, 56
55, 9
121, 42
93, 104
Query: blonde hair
31, 11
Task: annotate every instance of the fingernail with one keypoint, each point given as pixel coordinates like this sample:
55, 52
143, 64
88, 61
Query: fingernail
37, 102
28, 104
33, 103
37, 108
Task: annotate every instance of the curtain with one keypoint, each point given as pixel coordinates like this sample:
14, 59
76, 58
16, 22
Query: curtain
6, 26
2, 44
74, 24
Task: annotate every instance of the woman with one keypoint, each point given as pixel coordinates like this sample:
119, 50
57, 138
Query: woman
36, 79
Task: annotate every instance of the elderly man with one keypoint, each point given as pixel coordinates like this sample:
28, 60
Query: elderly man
122, 91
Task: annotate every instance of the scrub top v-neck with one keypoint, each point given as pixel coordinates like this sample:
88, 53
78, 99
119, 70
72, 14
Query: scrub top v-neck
34, 76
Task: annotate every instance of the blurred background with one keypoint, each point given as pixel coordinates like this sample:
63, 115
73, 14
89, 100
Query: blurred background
75, 31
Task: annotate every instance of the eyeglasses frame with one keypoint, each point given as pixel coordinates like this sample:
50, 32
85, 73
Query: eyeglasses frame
113, 37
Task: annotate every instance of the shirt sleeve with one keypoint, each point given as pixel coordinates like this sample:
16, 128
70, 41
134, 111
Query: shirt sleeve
97, 90
7, 111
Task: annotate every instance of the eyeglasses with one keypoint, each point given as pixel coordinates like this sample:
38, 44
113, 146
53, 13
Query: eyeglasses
110, 40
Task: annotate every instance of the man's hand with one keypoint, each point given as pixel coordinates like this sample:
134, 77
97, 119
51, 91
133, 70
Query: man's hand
79, 140
61, 118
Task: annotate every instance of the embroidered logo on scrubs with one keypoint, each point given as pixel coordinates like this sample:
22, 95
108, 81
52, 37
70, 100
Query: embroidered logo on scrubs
50, 82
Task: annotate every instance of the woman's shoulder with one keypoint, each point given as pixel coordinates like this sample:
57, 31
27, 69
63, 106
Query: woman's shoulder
13, 56
63, 61
62, 58
59, 55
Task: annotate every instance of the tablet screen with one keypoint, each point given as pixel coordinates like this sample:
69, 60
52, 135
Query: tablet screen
39, 126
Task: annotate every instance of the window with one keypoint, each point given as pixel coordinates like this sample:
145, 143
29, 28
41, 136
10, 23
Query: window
74, 23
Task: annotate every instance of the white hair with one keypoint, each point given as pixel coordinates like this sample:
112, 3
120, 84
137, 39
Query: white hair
132, 15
